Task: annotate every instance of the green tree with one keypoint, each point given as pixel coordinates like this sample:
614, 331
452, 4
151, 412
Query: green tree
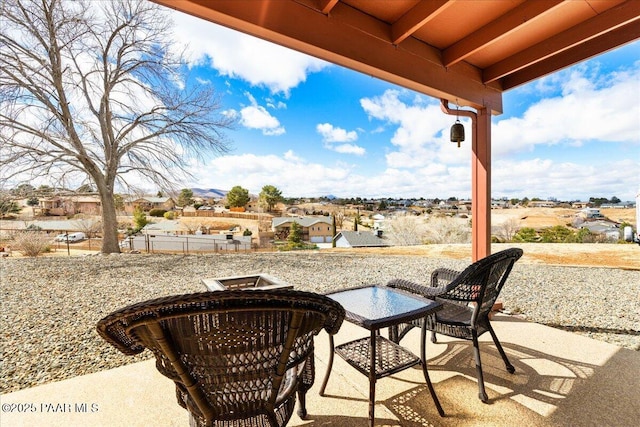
90, 88
46, 189
139, 219
23, 190
238, 197
295, 235
185, 198
269, 197
33, 202
8, 206
598, 201
85, 188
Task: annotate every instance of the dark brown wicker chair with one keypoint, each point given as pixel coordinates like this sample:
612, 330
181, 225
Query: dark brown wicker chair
468, 298
237, 357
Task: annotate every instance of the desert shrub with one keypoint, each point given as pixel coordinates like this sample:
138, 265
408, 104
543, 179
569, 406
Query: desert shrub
557, 234
170, 215
526, 235
31, 243
159, 213
247, 232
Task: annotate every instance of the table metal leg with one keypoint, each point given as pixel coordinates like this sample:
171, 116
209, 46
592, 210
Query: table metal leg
329, 365
372, 379
423, 356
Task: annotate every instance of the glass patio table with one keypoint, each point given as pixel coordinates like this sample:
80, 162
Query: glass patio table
375, 307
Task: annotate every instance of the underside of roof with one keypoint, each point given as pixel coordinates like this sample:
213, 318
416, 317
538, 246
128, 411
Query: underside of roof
466, 52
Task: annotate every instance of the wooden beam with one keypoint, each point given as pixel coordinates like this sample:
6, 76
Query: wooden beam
415, 18
621, 15
496, 30
481, 187
572, 56
480, 178
327, 5
352, 39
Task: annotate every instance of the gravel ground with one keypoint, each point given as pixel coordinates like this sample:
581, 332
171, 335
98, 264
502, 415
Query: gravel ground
50, 305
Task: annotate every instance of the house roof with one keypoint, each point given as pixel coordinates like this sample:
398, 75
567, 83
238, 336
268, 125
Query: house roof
305, 221
163, 226
361, 238
157, 200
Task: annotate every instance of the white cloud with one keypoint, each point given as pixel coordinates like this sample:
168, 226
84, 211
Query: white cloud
238, 55
421, 136
257, 117
331, 135
293, 175
604, 109
349, 149
564, 180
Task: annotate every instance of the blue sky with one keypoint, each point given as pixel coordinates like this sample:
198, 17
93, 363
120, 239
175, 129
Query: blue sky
312, 128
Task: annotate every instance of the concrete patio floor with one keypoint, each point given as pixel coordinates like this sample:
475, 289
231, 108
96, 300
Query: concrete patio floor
561, 379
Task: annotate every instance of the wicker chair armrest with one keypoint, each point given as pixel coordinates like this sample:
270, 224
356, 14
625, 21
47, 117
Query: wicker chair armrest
416, 288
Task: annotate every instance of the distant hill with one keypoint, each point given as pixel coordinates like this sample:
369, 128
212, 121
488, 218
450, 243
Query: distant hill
209, 193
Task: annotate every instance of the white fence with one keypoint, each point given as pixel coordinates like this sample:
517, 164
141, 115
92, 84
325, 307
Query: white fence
187, 243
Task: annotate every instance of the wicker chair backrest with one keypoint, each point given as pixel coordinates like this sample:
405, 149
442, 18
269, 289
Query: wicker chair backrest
482, 281
228, 350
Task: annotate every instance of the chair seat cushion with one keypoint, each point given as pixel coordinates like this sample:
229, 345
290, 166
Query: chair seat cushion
454, 314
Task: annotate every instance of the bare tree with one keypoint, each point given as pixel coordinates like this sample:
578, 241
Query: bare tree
94, 89
88, 225
447, 230
406, 230
508, 229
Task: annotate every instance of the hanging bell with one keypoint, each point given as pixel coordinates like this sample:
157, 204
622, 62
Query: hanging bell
457, 132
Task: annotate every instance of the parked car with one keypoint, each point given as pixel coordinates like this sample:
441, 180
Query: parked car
71, 237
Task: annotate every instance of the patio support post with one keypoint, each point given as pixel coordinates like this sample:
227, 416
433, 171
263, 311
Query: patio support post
481, 186
480, 178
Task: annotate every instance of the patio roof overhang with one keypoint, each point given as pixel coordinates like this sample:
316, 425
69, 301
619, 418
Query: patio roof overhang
466, 52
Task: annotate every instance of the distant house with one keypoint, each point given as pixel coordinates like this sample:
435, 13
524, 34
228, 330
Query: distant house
359, 239
314, 229
590, 213
70, 205
607, 228
499, 204
580, 205
542, 204
148, 203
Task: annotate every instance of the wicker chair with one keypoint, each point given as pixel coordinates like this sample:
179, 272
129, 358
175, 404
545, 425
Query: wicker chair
237, 357
467, 298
